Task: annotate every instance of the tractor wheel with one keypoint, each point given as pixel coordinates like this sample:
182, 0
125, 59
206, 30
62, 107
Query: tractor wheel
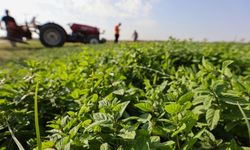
52, 35
93, 40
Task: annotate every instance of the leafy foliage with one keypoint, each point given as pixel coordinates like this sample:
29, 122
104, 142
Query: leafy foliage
169, 95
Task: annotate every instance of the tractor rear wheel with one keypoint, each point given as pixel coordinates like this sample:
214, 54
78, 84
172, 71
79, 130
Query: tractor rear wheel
52, 35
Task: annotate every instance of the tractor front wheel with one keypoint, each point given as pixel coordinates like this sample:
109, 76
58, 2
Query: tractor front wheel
52, 35
93, 40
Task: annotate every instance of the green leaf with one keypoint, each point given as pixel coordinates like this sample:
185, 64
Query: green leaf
69, 124
227, 63
226, 71
67, 146
207, 65
233, 99
210, 135
234, 146
142, 140
187, 105
182, 128
74, 130
190, 119
147, 84
208, 102
48, 144
238, 85
173, 108
125, 134
169, 145
104, 146
94, 98
84, 109
86, 122
98, 83
200, 109
121, 108
101, 119
219, 87
2, 101
96, 123
145, 118
186, 97
146, 107
54, 126
157, 130
155, 139
193, 140
75, 94
101, 116
200, 99
119, 92
163, 86
212, 117
71, 113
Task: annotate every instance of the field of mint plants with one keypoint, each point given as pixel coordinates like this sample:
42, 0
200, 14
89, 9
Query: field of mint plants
138, 96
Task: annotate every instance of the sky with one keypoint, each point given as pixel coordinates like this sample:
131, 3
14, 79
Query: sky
214, 20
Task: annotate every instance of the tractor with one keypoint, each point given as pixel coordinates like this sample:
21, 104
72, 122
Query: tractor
54, 35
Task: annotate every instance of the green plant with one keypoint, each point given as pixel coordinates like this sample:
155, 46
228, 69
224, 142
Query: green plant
167, 95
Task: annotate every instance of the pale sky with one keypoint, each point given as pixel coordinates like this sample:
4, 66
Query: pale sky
215, 20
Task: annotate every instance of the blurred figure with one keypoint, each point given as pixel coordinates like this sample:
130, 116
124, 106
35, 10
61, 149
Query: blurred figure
117, 32
34, 23
135, 36
10, 25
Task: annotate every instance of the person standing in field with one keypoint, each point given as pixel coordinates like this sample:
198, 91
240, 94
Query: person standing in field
10, 25
135, 36
117, 32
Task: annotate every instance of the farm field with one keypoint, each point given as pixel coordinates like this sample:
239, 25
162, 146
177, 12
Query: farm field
34, 50
142, 96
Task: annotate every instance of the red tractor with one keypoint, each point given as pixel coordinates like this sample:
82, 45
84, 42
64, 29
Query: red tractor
54, 35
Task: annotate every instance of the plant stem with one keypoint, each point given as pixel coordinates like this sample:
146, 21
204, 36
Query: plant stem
38, 139
14, 138
178, 142
246, 120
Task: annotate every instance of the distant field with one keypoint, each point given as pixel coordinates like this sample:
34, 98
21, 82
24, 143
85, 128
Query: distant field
32, 50
36, 50
144, 96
